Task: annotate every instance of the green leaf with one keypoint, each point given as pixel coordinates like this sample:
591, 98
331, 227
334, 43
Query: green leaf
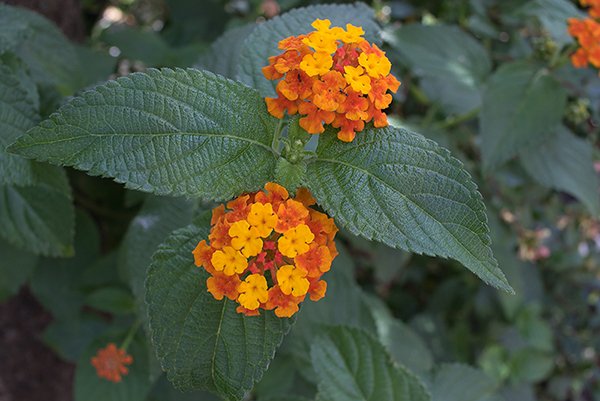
352, 366
531, 365
157, 218
565, 162
456, 382
69, 338
56, 283
18, 113
35, 200
15, 268
396, 187
40, 217
223, 55
135, 386
175, 132
13, 31
262, 42
402, 342
522, 107
112, 300
452, 65
41, 45
203, 343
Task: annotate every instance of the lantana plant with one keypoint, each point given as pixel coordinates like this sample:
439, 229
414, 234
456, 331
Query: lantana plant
272, 160
246, 270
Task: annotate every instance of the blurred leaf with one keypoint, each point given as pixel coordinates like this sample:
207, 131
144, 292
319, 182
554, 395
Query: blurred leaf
401, 189
111, 300
531, 365
553, 15
36, 213
263, 41
15, 268
452, 65
69, 338
456, 382
277, 380
149, 47
405, 346
134, 386
223, 55
522, 107
56, 283
96, 65
18, 113
352, 366
203, 343
565, 162
47, 52
157, 218
170, 132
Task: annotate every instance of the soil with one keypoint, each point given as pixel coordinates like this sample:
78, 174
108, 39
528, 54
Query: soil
29, 371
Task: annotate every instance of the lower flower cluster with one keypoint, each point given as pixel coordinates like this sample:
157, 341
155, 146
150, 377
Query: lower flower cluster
267, 250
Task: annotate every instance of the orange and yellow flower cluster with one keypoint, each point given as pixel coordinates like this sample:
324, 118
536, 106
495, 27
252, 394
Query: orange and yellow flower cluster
331, 76
110, 363
587, 33
267, 250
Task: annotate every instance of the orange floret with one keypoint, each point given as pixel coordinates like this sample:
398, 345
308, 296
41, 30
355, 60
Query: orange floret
331, 76
267, 250
110, 363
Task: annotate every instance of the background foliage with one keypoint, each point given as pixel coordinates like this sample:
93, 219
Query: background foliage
489, 80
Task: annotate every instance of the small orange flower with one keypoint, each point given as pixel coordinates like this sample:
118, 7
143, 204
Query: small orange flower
271, 251
110, 363
331, 76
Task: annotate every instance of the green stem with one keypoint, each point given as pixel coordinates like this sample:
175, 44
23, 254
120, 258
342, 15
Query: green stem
134, 328
451, 122
277, 137
561, 58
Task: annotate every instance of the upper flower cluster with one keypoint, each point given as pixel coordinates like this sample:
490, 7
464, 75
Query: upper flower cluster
267, 250
331, 76
587, 33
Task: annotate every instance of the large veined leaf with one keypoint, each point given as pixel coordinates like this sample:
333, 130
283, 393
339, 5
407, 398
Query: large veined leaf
452, 65
175, 132
352, 366
201, 342
41, 45
262, 42
565, 162
522, 106
397, 187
